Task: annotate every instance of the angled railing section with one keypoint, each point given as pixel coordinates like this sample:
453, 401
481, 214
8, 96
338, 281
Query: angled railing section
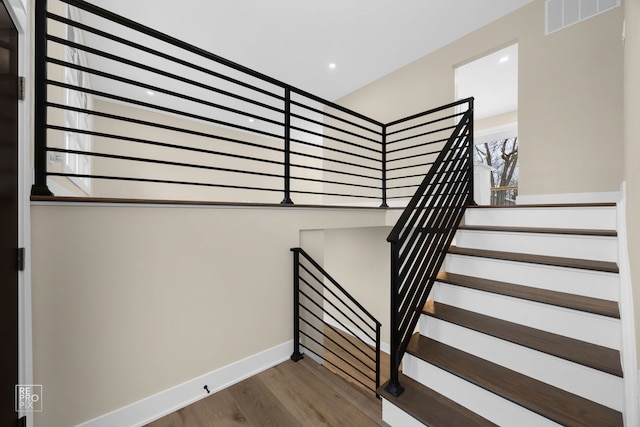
332, 326
422, 235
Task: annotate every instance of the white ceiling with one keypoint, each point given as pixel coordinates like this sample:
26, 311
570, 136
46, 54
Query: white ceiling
492, 80
294, 41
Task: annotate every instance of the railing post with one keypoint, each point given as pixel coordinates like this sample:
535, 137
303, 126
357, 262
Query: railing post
394, 386
384, 167
296, 355
377, 358
287, 148
472, 201
39, 187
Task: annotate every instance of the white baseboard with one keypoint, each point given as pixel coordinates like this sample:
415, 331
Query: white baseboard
153, 407
542, 199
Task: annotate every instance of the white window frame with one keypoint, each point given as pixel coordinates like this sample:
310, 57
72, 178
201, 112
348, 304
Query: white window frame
77, 164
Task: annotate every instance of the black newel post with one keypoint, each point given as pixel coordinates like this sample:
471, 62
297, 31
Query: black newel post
384, 167
39, 187
296, 307
394, 386
472, 201
287, 148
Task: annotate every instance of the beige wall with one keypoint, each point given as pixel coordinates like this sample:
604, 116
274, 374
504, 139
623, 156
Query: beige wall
129, 301
350, 257
632, 146
570, 96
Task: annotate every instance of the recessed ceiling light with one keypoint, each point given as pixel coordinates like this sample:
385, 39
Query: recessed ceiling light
332, 66
251, 120
504, 59
150, 93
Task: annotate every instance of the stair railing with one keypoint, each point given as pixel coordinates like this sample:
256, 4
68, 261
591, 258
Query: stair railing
426, 228
332, 326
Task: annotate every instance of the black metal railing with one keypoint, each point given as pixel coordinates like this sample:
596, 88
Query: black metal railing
119, 102
125, 111
332, 325
422, 235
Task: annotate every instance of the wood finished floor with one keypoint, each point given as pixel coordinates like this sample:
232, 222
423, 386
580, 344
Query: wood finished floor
289, 394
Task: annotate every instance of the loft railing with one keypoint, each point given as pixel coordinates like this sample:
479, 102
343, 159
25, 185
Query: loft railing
422, 235
332, 325
125, 111
121, 103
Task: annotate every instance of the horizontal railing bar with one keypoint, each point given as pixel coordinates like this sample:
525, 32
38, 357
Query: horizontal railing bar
159, 108
159, 162
336, 150
324, 181
163, 126
428, 153
351, 343
423, 134
203, 53
418, 145
294, 165
161, 181
165, 91
332, 116
433, 110
157, 71
342, 162
424, 124
336, 284
324, 125
160, 144
410, 166
157, 53
353, 144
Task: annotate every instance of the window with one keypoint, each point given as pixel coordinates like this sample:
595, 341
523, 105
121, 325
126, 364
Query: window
77, 164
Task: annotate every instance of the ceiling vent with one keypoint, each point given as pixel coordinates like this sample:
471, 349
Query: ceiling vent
564, 13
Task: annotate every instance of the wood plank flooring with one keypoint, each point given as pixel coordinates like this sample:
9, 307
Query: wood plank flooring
289, 394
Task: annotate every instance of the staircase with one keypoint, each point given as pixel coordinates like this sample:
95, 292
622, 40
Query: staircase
523, 328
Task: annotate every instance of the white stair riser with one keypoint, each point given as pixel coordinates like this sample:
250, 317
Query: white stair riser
593, 217
474, 398
570, 280
589, 383
396, 417
601, 248
600, 330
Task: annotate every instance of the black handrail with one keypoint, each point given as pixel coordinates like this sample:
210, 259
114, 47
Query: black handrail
328, 320
420, 238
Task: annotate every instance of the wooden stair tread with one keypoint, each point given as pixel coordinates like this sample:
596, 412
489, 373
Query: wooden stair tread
561, 299
603, 266
539, 230
430, 407
594, 356
548, 401
546, 205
